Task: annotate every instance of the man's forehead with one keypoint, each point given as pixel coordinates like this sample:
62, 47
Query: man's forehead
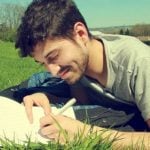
48, 46
39, 46
41, 49
37, 51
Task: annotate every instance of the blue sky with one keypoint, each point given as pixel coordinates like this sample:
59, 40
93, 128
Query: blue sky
105, 13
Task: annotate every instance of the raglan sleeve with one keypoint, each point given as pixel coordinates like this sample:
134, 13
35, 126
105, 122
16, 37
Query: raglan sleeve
142, 86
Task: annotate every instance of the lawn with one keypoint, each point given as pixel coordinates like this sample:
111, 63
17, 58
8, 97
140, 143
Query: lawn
14, 69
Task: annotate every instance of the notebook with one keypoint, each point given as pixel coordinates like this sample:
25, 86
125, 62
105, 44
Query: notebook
15, 126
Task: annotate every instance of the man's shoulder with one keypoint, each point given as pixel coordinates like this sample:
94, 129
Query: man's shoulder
111, 37
122, 48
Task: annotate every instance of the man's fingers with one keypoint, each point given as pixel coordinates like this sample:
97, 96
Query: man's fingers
46, 120
38, 99
47, 108
28, 103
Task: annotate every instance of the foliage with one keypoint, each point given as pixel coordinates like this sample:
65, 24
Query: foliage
91, 142
10, 17
8, 35
126, 32
141, 30
121, 32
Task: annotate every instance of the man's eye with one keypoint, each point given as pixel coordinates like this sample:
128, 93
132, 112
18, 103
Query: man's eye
52, 56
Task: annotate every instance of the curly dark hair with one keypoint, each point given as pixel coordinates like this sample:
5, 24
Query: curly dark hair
47, 19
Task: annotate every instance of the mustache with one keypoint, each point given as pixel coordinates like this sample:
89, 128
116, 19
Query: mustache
63, 68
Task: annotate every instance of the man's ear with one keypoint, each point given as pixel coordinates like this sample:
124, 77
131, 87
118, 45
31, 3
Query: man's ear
81, 31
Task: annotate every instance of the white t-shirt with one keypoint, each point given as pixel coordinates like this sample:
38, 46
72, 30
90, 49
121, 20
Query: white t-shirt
128, 64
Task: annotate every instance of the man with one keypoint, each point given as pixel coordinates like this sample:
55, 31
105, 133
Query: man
55, 34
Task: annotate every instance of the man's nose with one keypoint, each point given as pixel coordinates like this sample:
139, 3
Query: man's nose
53, 68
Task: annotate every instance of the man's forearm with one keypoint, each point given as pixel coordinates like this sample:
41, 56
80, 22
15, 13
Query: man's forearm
123, 139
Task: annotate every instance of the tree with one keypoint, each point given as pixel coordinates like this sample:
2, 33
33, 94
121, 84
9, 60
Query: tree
10, 16
141, 30
121, 32
127, 32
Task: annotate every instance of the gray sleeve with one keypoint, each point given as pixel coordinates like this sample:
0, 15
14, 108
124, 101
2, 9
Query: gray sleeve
142, 86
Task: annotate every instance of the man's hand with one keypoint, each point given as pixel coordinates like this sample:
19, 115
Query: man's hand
37, 99
54, 126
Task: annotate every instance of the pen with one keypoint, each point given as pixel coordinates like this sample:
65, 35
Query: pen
60, 111
66, 106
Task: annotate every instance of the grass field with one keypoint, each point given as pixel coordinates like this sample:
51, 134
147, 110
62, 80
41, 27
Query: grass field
14, 69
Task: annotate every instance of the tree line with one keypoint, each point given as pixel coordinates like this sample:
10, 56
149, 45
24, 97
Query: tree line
137, 30
10, 16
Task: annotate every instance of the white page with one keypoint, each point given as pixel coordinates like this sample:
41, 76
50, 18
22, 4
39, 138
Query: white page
15, 125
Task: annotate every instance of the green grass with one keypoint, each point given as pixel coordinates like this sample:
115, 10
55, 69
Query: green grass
14, 69
87, 143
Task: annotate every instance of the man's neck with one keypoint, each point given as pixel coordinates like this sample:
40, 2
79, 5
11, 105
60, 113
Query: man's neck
97, 67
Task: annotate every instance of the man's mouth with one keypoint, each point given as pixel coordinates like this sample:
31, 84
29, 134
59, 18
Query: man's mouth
62, 73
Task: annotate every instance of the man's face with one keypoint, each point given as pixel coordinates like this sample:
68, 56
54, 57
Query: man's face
63, 58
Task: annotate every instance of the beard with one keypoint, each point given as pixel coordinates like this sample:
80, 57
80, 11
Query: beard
78, 70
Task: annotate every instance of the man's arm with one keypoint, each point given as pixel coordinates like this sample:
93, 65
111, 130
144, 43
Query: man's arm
124, 139
50, 129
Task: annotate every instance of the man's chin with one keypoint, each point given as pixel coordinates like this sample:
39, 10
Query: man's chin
72, 81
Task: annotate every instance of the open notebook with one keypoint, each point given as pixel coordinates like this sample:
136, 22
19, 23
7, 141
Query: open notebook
14, 124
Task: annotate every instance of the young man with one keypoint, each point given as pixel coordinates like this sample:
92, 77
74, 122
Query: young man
55, 34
